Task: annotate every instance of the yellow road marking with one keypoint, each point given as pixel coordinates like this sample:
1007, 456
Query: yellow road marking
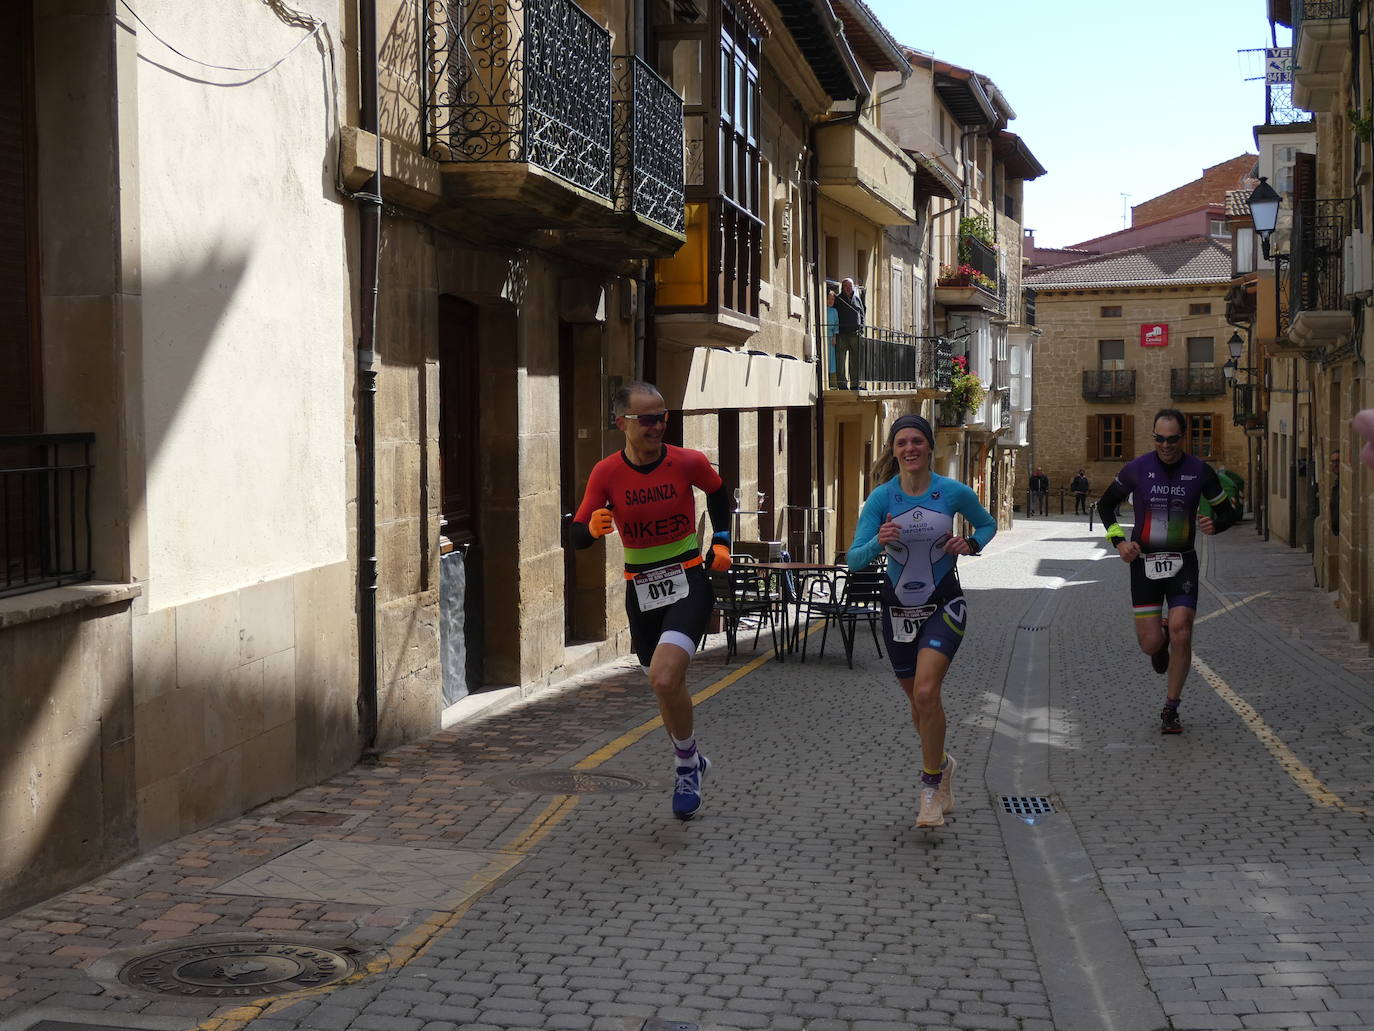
426, 933
1229, 606
1298, 771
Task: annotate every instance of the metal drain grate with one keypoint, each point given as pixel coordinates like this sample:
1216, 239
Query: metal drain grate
1024, 806
567, 782
658, 1024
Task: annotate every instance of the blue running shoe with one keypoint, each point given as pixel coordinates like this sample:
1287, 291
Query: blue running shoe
687, 790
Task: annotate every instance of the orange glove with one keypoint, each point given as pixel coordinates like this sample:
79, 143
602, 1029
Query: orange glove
718, 558
601, 523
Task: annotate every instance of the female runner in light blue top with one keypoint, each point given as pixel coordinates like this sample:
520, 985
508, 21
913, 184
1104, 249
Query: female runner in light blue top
910, 516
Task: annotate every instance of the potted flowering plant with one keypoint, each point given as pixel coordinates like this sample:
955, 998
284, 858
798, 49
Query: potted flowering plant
964, 275
967, 391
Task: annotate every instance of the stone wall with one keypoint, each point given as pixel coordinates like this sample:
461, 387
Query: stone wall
1072, 325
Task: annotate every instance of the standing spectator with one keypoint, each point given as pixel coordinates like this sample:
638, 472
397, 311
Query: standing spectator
1039, 492
849, 315
1079, 486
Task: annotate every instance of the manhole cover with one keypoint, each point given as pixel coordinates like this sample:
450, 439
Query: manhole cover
1361, 730
567, 782
236, 969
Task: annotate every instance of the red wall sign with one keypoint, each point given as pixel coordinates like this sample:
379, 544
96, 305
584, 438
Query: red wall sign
1154, 334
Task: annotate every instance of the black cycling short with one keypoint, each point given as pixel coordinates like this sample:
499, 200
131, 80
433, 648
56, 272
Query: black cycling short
941, 628
1179, 589
685, 619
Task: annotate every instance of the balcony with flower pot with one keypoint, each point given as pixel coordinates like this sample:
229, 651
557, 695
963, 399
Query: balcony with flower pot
963, 286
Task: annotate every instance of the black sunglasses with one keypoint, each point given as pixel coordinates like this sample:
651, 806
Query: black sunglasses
651, 419
1173, 438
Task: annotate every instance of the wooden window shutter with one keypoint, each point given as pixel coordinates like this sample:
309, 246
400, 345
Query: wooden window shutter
1128, 447
1094, 437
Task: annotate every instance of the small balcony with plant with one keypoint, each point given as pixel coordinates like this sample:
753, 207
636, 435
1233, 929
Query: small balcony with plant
975, 281
1321, 47
966, 395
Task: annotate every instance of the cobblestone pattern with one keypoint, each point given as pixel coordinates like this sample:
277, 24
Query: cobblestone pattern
803, 898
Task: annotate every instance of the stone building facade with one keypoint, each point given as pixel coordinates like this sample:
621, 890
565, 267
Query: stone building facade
1113, 354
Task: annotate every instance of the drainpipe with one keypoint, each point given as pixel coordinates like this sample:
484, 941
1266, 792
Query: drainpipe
813, 251
369, 201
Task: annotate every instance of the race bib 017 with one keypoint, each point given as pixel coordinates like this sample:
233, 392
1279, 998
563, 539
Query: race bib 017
1162, 564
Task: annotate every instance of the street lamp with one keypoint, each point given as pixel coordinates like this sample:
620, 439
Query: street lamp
1264, 211
1229, 372
1235, 345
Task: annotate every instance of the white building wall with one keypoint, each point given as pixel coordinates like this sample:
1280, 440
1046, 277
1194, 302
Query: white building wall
245, 301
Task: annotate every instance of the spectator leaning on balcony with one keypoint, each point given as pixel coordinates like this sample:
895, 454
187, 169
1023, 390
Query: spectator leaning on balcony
849, 315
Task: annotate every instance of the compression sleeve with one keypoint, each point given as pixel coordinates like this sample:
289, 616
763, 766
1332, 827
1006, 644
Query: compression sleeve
718, 508
1225, 512
866, 547
596, 496
984, 526
1107, 506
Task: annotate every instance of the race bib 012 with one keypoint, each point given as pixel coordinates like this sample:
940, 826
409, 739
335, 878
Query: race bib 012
655, 588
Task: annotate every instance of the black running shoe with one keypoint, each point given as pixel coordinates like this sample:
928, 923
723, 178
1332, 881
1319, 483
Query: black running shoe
1160, 659
1169, 723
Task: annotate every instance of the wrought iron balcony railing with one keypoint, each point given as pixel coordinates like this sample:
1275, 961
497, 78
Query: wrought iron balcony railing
648, 144
1279, 108
523, 81
1109, 384
1315, 273
892, 360
45, 510
1196, 383
1002, 399
1318, 10
981, 256
1243, 404
937, 356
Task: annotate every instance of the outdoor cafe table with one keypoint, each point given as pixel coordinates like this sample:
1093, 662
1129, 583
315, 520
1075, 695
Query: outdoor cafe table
791, 631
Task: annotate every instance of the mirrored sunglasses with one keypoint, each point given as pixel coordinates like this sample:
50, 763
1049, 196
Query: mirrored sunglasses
650, 419
1173, 438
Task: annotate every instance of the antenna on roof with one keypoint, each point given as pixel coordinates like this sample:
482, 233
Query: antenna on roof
1125, 208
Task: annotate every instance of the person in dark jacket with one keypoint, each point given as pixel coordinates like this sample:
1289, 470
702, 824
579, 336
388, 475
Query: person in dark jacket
1079, 486
1039, 492
849, 316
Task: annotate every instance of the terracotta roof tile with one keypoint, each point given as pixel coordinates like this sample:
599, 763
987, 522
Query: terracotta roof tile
1196, 260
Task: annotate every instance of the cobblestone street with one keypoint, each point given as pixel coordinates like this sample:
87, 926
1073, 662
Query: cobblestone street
1219, 879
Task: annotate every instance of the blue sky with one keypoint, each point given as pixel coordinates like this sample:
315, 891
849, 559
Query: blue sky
1112, 98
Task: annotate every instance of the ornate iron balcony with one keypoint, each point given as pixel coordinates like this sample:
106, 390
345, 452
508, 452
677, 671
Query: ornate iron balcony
648, 145
888, 359
1318, 10
1196, 384
981, 256
1109, 384
1315, 260
1243, 404
520, 81
1003, 398
45, 510
937, 362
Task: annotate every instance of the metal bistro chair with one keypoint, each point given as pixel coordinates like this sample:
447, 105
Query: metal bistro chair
742, 594
852, 596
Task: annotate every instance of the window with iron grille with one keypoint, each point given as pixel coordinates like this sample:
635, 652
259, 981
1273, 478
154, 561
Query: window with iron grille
1199, 309
1110, 311
1200, 440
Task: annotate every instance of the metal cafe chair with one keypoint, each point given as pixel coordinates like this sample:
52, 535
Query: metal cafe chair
742, 595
